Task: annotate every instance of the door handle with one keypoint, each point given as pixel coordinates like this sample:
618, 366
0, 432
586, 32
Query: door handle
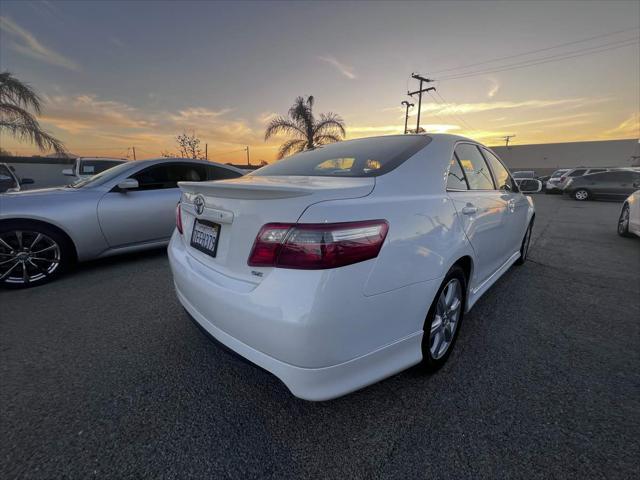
469, 210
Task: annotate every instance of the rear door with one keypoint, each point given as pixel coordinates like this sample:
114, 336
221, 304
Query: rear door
480, 206
146, 214
612, 185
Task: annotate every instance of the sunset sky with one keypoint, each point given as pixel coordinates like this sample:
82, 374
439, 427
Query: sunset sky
122, 74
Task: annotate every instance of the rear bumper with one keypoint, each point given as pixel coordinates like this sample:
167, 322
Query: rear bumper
318, 349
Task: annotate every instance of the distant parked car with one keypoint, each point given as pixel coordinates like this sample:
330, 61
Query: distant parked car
524, 174
9, 181
577, 172
629, 220
613, 185
552, 183
127, 208
84, 167
343, 265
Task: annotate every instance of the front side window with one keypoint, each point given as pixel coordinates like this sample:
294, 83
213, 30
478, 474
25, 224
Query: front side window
455, 178
168, 175
500, 173
367, 157
475, 167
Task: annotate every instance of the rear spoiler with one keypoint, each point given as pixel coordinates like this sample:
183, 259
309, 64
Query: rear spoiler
245, 190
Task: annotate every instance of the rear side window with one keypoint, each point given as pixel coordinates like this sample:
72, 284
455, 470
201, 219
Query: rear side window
475, 167
455, 178
577, 173
597, 170
221, 173
367, 157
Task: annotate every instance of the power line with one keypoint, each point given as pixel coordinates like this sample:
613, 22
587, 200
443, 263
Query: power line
536, 51
454, 113
553, 58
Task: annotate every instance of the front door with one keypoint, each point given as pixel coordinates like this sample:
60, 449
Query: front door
146, 214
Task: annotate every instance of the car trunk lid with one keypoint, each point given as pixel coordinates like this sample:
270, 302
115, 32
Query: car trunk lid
243, 205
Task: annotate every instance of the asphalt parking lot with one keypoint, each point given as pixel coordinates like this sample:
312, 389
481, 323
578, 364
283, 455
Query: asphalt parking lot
103, 374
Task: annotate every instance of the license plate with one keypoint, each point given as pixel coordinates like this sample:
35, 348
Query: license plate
205, 237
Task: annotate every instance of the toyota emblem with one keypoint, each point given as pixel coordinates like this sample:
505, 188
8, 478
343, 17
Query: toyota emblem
199, 204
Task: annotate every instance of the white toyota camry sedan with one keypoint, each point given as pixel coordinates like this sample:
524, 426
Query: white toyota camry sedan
343, 265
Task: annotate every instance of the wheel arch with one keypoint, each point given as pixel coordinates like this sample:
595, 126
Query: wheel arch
60, 231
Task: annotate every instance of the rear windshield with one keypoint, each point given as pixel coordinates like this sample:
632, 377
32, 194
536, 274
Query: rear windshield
367, 157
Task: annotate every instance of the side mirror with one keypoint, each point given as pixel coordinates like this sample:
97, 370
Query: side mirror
128, 184
68, 172
27, 181
529, 185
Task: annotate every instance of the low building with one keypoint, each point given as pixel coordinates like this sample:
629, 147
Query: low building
544, 158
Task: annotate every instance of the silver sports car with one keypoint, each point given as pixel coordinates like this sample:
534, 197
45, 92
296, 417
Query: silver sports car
127, 208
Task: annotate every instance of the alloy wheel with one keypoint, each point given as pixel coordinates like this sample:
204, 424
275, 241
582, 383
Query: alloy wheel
446, 319
581, 195
27, 257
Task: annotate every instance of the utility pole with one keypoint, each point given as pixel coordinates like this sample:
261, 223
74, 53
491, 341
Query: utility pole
420, 91
134, 152
506, 140
247, 149
406, 113
206, 151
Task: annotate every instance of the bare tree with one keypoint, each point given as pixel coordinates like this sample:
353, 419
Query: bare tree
188, 145
16, 99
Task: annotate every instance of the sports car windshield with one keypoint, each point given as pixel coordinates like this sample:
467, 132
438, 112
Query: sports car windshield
101, 177
367, 157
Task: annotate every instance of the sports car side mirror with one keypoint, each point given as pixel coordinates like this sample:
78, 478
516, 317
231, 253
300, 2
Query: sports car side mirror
128, 184
529, 185
68, 172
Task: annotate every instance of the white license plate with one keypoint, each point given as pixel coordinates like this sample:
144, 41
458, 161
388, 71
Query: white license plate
205, 236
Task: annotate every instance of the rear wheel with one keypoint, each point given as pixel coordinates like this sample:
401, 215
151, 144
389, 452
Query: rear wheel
623, 222
581, 194
31, 254
524, 248
443, 321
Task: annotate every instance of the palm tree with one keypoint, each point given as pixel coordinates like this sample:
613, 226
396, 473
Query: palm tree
16, 99
307, 131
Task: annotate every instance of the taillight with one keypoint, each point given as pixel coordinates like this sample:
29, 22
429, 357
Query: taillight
179, 218
562, 179
312, 246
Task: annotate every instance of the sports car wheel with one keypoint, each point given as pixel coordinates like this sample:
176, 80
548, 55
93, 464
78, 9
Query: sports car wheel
31, 255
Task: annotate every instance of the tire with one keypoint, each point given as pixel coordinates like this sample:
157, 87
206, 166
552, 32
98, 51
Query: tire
623, 222
43, 251
437, 327
524, 248
581, 194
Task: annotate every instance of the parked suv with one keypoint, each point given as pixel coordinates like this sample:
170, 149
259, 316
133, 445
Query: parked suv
614, 185
84, 167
